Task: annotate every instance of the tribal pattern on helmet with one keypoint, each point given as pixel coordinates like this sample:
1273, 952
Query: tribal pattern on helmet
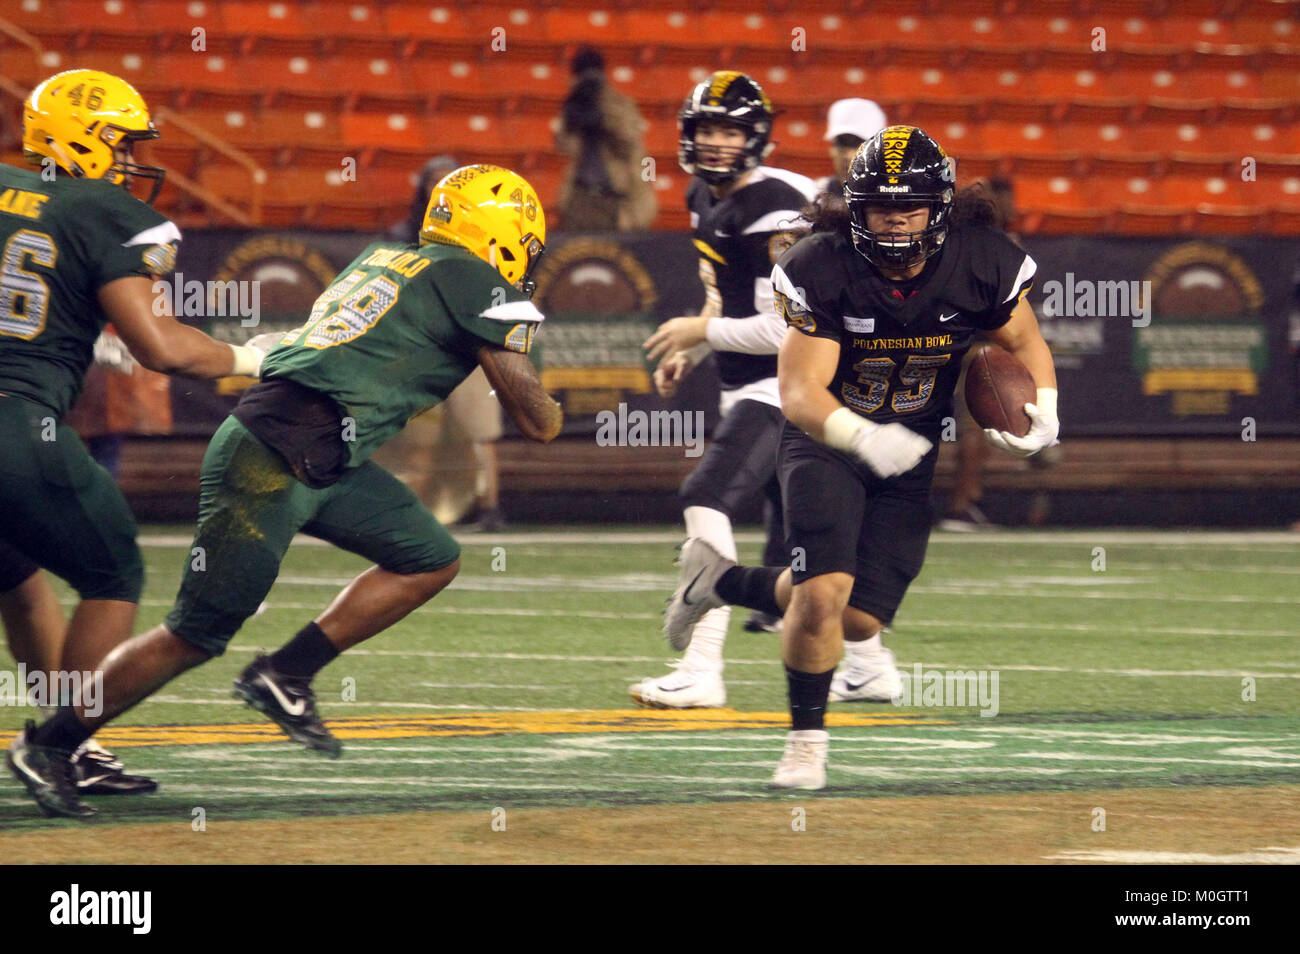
900, 166
733, 98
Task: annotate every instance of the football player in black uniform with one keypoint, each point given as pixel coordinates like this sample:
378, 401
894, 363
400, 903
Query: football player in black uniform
741, 212
883, 298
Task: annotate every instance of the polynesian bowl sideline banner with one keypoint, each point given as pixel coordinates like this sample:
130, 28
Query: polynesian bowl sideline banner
1151, 336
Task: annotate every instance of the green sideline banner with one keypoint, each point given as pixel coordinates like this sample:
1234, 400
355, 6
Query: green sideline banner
1152, 336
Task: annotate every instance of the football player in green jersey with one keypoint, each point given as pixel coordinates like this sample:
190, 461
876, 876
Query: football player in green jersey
392, 335
77, 250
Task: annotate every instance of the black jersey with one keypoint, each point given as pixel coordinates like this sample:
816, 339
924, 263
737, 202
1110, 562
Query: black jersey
739, 237
901, 343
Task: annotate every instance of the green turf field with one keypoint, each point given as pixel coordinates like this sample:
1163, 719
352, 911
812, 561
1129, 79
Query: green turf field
1176, 665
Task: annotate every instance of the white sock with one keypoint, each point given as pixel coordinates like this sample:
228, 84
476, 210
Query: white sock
705, 652
863, 649
809, 735
714, 527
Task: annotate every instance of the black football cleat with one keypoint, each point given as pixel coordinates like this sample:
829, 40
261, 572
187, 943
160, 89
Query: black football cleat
289, 703
49, 776
98, 772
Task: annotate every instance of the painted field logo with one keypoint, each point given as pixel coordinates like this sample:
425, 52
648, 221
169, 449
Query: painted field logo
134, 908
51, 690
651, 429
935, 688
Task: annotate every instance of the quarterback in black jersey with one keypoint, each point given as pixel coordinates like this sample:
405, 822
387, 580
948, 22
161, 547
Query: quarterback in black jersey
883, 300
741, 214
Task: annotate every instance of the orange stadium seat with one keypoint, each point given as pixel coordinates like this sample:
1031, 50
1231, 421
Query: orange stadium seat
370, 129
1230, 220
598, 27
352, 19
666, 28
264, 19
426, 21
180, 19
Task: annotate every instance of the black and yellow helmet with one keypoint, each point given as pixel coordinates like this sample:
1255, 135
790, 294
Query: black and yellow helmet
903, 166
86, 122
726, 97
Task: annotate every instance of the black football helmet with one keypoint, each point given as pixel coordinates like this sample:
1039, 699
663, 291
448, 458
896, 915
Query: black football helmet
900, 165
733, 98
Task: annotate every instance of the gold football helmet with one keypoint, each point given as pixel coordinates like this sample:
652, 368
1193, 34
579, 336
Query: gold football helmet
87, 122
493, 213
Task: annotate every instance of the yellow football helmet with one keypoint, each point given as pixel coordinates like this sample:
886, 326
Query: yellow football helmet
493, 213
88, 122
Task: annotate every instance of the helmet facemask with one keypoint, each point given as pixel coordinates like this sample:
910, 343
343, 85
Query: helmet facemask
125, 169
88, 122
736, 160
730, 98
899, 250
900, 167
532, 251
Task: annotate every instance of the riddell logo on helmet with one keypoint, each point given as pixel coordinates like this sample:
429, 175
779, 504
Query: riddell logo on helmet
897, 188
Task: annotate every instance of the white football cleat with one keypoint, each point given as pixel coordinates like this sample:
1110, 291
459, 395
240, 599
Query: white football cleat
701, 567
875, 679
803, 765
681, 689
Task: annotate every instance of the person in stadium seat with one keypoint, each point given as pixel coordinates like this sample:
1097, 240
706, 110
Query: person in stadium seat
605, 187
79, 251
742, 212
882, 298
849, 123
294, 456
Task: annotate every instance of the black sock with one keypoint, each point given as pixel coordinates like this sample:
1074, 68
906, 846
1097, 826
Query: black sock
63, 730
808, 694
306, 654
752, 586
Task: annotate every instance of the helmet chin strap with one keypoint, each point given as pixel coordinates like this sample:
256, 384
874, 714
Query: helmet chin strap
65, 160
492, 253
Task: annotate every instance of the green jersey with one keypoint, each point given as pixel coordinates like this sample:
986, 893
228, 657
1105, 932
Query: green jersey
60, 242
396, 331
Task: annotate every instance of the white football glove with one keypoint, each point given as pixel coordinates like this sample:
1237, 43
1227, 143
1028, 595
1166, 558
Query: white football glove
888, 449
1044, 427
112, 352
249, 355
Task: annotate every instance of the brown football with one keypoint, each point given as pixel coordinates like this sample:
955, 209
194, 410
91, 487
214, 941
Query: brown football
998, 387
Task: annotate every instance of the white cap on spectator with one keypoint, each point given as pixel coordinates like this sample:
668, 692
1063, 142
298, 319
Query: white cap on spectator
854, 117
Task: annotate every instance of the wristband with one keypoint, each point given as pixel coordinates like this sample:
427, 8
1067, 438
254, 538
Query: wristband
841, 426
248, 361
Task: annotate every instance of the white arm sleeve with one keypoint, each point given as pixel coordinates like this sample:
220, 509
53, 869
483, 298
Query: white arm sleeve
761, 333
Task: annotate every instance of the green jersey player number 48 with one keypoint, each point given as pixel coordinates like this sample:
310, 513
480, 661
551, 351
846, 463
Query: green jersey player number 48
394, 334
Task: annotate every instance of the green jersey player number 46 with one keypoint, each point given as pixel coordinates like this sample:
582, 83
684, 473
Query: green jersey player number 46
78, 250
394, 334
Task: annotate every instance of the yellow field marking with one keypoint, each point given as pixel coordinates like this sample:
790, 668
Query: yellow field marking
489, 723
